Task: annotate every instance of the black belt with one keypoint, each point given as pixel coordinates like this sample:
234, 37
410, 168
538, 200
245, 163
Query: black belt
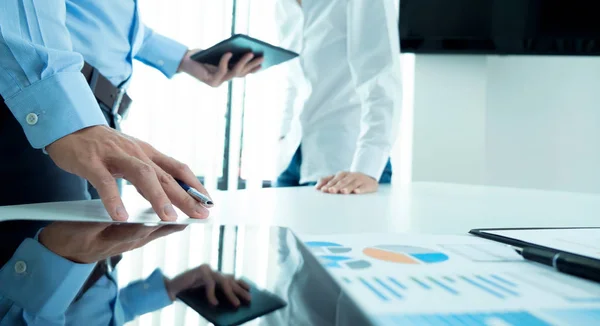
114, 98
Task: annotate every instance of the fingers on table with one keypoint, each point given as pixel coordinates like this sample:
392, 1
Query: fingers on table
366, 188
107, 188
323, 182
180, 197
348, 185
144, 177
170, 169
331, 186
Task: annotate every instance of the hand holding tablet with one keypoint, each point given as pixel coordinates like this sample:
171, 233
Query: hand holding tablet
240, 45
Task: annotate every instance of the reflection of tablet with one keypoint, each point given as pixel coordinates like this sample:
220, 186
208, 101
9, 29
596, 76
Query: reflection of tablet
239, 45
224, 314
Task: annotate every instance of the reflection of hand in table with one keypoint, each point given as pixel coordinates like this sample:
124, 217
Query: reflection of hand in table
236, 291
85, 243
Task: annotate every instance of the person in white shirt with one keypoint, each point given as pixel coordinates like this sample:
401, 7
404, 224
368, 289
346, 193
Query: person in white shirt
348, 81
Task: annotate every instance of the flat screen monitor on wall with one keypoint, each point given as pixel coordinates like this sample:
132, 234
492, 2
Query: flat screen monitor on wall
536, 27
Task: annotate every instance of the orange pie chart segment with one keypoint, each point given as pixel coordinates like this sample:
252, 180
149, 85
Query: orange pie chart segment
392, 257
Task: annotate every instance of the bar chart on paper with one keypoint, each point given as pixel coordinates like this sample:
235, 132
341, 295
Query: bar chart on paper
393, 288
453, 280
499, 287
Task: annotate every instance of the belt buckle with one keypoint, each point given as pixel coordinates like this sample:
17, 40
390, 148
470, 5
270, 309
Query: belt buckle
118, 100
117, 103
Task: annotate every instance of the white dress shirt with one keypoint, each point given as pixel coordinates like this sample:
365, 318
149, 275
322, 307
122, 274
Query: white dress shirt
348, 82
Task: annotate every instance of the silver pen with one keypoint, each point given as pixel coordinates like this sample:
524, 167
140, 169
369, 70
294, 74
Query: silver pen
202, 198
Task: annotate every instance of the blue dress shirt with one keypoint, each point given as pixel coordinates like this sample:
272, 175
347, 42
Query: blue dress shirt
42, 48
37, 287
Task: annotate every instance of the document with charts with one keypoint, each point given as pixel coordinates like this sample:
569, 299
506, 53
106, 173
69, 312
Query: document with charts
408, 279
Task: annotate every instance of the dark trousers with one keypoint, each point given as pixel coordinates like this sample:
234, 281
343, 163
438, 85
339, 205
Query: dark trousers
29, 176
291, 176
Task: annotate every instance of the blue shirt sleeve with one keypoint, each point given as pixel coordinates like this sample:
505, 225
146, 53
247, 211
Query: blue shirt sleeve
161, 52
37, 286
145, 296
40, 77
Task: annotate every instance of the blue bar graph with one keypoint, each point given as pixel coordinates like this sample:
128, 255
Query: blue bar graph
442, 285
517, 318
497, 286
503, 280
391, 288
373, 289
422, 284
397, 283
483, 287
388, 288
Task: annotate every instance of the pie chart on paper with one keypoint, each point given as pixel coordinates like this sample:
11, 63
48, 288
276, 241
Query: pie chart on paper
405, 254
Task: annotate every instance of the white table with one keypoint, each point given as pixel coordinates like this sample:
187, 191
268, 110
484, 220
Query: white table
421, 207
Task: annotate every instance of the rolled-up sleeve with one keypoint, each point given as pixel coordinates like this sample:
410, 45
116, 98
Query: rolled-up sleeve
161, 52
374, 59
40, 77
38, 284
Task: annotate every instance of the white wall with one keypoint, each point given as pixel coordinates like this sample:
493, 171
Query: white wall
526, 121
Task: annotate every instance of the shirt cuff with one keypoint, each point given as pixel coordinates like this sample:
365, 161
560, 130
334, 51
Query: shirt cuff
370, 161
41, 282
145, 296
55, 107
161, 53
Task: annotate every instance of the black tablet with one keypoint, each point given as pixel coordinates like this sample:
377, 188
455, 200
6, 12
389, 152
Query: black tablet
239, 45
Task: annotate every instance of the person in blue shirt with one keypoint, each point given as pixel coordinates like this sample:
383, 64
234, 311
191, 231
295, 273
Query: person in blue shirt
50, 106
59, 120
41, 284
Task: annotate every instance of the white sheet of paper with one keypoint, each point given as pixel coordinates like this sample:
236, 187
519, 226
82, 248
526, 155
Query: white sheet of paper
452, 280
89, 210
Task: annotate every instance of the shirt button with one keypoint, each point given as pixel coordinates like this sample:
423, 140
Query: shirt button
31, 119
146, 286
161, 63
20, 267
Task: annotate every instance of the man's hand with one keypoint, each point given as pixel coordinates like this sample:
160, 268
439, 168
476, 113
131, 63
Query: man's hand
85, 243
348, 183
204, 276
101, 154
215, 76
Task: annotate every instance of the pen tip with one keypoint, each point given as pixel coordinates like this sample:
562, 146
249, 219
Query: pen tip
517, 249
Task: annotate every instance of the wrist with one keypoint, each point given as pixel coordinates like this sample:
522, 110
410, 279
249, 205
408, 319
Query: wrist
170, 288
183, 63
44, 240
